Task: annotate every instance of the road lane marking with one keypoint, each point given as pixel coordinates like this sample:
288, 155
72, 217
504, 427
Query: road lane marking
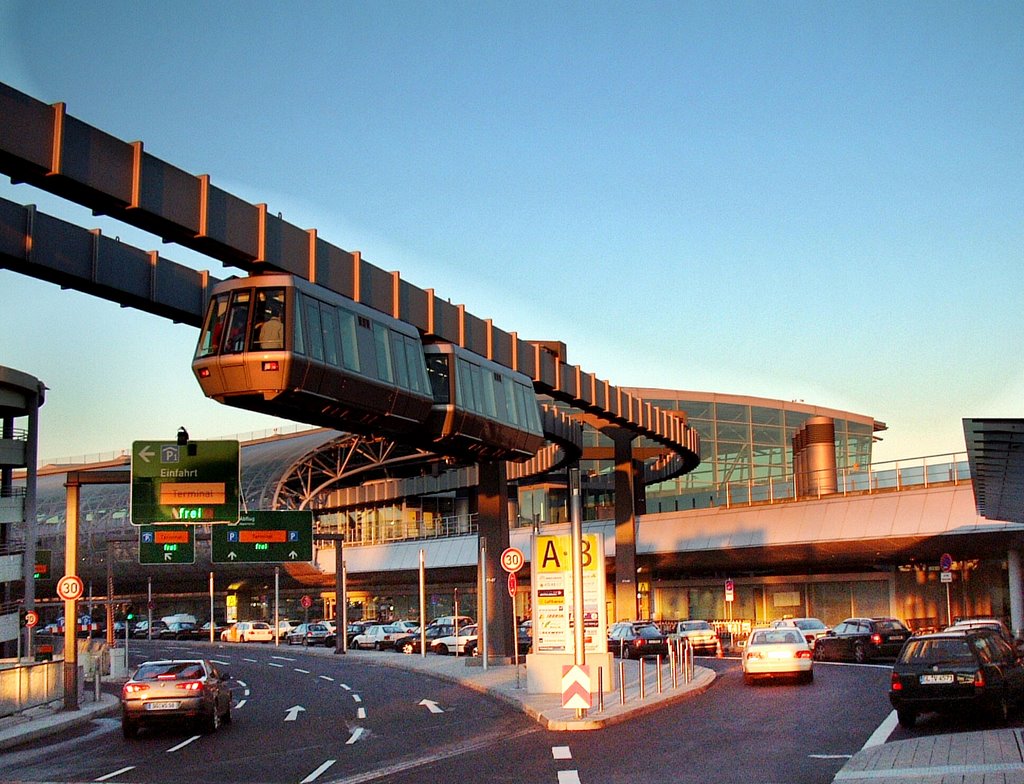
561, 752
357, 698
357, 733
243, 684
220, 661
254, 661
318, 772
881, 735
240, 703
304, 672
326, 678
115, 773
284, 658
361, 713
274, 664
830, 756
183, 744
346, 687
568, 777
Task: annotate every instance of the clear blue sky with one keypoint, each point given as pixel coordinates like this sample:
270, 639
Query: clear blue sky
815, 201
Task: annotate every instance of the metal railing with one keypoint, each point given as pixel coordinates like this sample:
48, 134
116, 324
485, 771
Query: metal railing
406, 530
892, 475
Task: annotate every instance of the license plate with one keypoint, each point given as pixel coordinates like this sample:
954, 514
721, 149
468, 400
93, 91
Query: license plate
897, 638
929, 678
165, 705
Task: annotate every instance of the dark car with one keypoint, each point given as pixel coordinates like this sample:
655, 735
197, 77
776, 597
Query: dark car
636, 639
179, 630
189, 691
141, 630
297, 635
410, 643
861, 640
949, 672
318, 634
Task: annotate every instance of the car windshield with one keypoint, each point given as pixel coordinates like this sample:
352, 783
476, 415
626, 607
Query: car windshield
809, 623
946, 650
170, 671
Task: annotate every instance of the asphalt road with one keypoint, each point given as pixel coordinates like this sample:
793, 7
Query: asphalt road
300, 718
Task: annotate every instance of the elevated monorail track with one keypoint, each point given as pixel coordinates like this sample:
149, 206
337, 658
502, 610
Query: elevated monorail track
44, 146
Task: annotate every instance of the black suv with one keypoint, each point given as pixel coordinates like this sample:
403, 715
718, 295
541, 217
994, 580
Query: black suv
862, 639
952, 670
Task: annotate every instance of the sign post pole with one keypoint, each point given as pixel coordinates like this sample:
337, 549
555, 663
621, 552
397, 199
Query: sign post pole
946, 567
575, 512
71, 604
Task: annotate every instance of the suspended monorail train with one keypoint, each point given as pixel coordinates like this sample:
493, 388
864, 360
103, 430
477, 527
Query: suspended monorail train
280, 345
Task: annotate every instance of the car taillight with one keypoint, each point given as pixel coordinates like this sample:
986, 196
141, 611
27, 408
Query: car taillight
876, 639
639, 642
190, 686
803, 654
895, 683
979, 680
271, 365
753, 655
134, 688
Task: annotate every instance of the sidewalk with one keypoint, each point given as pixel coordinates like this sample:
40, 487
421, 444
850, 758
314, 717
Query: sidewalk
989, 757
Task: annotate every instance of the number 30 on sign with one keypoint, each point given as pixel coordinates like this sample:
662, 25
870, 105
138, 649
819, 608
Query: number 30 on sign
70, 587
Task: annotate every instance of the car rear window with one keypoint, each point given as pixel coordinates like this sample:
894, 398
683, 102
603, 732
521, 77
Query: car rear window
776, 637
649, 632
178, 671
939, 650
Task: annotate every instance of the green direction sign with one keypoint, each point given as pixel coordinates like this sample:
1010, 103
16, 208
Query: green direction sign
197, 482
167, 544
264, 537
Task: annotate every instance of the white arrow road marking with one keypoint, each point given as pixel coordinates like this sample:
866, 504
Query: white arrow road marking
357, 733
318, 772
561, 752
293, 712
115, 773
183, 744
431, 706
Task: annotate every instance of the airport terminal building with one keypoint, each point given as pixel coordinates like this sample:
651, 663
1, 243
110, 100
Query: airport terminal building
795, 533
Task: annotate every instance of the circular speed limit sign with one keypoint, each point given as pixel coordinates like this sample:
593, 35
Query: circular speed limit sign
512, 560
70, 587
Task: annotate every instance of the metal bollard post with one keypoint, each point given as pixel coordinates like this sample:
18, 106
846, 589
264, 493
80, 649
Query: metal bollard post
689, 661
659, 673
622, 682
96, 686
600, 689
643, 691
672, 665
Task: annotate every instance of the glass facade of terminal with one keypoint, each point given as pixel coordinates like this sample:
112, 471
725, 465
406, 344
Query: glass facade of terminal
746, 457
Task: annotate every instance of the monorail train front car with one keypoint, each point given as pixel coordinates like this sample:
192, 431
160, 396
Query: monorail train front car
280, 345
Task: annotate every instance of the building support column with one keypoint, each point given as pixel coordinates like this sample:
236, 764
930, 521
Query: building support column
1016, 590
493, 524
627, 488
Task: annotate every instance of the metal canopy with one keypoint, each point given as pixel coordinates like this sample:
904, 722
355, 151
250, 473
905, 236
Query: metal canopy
995, 451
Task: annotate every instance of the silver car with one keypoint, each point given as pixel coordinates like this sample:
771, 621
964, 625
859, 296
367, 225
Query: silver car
191, 691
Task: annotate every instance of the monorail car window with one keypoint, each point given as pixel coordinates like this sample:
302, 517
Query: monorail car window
314, 334
329, 326
401, 367
464, 395
238, 317
209, 341
507, 400
383, 351
439, 372
268, 320
349, 344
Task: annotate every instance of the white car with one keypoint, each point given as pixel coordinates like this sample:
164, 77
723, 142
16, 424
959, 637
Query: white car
248, 631
379, 636
770, 653
452, 644
285, 626
701, 635
812, 628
